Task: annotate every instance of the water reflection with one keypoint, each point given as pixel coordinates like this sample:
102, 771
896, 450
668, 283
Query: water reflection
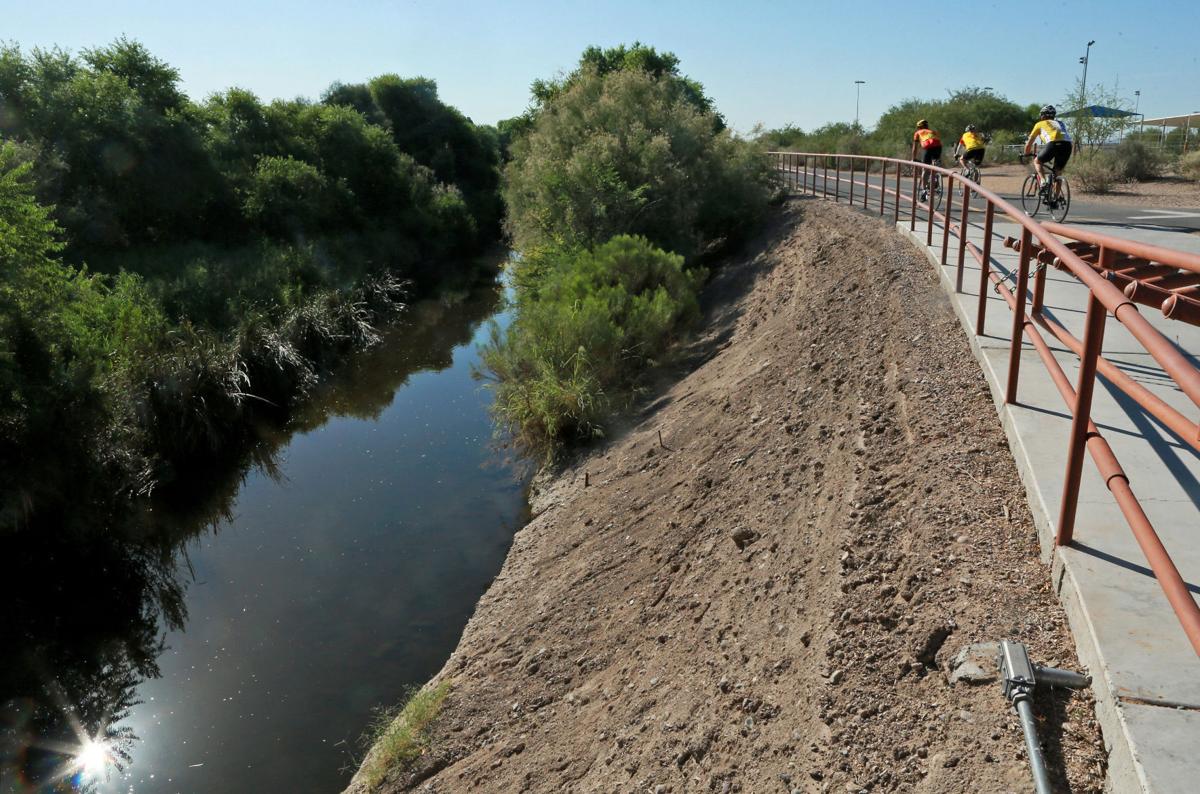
335, 564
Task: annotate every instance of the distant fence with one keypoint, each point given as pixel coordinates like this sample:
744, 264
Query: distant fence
813, 173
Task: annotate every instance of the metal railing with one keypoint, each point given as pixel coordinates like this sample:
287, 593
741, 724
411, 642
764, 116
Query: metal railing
1038, 242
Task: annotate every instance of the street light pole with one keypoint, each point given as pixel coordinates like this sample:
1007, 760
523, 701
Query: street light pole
858, 84
1137, 103
1084, 60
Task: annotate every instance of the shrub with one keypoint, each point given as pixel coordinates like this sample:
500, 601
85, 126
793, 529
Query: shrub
1189, 166
286, 197
588, 323
1095, 172
996, 151
626, 153
1136, 161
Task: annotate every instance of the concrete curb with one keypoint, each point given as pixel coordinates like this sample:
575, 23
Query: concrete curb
1131, 756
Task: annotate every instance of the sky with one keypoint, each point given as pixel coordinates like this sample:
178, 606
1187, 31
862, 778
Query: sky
764, 62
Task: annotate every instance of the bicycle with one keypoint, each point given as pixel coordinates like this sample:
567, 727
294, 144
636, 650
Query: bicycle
970, 171
930, 179
1055, 194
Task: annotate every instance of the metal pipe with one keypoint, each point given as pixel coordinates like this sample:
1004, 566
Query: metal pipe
851, 202
896, 209
1037, 762
837, 177
1014, 353
928, 205
946, 219
963, 227
985, 266
912, 212
882, 187
1081, 412
866, 181
1156, 253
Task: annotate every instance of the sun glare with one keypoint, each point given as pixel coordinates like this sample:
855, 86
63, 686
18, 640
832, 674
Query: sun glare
93, 759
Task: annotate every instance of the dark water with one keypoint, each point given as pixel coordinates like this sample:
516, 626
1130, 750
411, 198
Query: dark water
340, 573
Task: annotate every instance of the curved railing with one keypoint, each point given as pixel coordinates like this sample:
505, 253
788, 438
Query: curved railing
1038, 242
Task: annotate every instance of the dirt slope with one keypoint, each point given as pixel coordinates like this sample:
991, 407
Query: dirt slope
770, 603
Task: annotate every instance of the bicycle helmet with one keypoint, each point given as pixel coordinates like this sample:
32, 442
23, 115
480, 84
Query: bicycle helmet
1049, 112
922, 123
971, 128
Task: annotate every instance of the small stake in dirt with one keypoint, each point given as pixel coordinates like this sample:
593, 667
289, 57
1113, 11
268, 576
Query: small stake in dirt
1018, 678
586, 480
660, 442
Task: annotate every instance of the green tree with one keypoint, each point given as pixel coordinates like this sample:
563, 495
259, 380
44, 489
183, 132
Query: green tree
1088, 130
624, 153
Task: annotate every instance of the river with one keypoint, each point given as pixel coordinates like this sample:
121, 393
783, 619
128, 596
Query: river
337, 572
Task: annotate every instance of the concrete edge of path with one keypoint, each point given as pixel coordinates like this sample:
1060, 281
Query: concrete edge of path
1126, 768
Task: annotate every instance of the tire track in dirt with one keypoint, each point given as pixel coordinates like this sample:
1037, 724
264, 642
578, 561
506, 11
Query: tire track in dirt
770, 602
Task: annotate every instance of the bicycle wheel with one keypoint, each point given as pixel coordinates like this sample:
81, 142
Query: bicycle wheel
1062, 202
1031, 197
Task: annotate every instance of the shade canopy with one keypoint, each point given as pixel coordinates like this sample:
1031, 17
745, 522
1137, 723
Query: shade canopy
1098, 112
1186, 120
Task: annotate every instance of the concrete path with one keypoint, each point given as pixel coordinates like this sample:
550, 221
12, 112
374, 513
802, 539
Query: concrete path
1147, 676
1083, 212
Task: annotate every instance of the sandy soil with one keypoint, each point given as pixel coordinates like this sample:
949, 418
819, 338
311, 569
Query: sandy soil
1170, 192
770, 601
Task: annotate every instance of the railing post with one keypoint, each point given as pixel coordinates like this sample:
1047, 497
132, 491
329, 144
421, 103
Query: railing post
851, 182
946, 219
912, 212
837, 178
1093, 340
825, 177
896, 209
1039, 288
1022, 289
866, 181
805, 174
985, 267
929, 206
963, 225
882, 187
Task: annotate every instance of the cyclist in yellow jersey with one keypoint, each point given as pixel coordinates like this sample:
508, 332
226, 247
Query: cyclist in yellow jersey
971, 145
1055, 140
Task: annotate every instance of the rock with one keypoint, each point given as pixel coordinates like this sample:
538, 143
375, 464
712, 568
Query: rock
743, 537
975, 663
836, 677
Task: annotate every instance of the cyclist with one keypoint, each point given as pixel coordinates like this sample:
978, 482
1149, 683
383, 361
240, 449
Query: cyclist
971, 145
1055, 140
931, 147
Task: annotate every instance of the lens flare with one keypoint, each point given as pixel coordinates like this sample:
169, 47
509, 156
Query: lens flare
93, 759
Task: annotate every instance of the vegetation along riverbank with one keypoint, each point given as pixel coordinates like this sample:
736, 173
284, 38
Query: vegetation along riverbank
173, 271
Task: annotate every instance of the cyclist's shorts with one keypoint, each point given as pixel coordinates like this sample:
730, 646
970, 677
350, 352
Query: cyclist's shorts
1058, 151
932, 155
975, 155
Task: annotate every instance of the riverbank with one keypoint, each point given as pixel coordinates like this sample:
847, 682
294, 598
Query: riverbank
768, 595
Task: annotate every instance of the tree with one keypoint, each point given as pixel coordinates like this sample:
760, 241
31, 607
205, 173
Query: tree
624, 152
1091, 130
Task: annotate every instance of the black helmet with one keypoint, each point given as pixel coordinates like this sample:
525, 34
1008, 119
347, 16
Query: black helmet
922, 123
1049, 112
971, 128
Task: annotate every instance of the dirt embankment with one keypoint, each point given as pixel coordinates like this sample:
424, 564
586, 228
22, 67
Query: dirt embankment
770, 602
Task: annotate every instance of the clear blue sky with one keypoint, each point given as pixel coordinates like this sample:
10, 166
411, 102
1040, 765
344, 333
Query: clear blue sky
769, 62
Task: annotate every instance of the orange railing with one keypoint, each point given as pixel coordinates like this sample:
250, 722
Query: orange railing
1040, 242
